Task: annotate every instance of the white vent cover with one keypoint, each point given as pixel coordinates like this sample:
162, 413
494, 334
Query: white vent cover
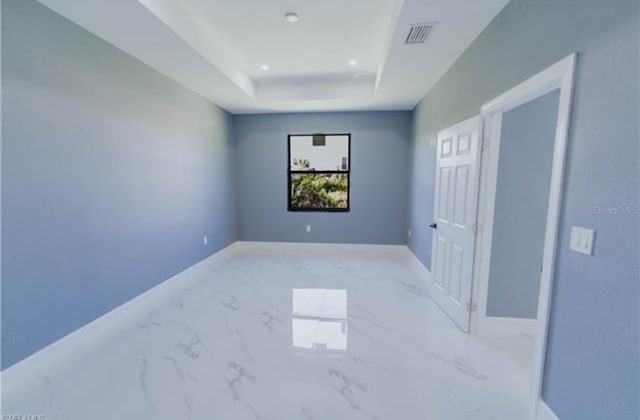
418, 33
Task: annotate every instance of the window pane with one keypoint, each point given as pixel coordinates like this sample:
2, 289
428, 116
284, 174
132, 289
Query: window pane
319, 191
332, 154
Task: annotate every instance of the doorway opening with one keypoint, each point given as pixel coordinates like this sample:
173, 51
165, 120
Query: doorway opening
519, 210
497, 210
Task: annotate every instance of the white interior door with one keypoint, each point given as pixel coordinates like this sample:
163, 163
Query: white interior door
455, 217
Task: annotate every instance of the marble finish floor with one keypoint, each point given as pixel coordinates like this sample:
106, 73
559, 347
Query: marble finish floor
283, 332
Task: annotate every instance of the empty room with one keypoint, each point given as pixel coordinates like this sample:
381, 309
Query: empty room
320, 210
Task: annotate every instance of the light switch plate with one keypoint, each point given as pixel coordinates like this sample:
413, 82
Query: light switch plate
582, 240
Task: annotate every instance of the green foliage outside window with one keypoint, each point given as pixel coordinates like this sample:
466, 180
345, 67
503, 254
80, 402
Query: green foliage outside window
311, 190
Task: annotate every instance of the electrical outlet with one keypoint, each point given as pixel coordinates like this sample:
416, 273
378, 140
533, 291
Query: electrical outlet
409, 233
308, 228
205, 240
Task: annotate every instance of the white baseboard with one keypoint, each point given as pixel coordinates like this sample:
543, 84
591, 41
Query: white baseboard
499, 325
317, 248
545, 413
96, 331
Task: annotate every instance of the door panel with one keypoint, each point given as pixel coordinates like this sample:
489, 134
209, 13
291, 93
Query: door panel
460, 196
455, 214
443, 210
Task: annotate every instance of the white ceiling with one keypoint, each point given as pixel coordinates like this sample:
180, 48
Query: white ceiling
217, 47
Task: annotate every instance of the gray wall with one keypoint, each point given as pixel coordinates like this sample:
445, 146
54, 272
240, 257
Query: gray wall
592, 366
111, 175
522, 199
379, 178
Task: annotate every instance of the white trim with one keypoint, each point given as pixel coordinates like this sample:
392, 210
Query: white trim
255, 245
483, 241
558, 76
545, 412
1, 5
499, 325
94, 332
491, 129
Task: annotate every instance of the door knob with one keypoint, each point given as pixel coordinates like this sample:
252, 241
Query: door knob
433, 226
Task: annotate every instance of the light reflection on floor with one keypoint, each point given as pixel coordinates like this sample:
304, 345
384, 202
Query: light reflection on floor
319, 319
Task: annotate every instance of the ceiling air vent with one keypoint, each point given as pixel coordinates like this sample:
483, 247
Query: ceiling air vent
418, 33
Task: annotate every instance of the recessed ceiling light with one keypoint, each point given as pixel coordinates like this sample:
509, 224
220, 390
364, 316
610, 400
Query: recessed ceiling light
264, 67
291, 17
353, 63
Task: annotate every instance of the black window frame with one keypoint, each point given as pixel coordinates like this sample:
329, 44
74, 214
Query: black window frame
292, 172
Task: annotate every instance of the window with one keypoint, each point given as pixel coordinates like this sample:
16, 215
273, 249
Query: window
319, 172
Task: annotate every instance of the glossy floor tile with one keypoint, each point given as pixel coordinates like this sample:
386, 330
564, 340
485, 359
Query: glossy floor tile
285, 332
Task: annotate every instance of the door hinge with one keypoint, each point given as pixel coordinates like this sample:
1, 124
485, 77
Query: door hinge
471, 306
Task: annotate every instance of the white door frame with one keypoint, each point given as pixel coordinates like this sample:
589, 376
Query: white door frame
558, 76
